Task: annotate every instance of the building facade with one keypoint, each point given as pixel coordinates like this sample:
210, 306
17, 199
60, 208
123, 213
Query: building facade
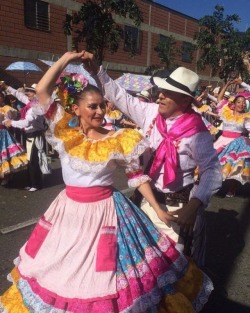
31, 30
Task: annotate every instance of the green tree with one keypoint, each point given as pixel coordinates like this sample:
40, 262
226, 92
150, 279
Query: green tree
221, 44
167, 53
94, 24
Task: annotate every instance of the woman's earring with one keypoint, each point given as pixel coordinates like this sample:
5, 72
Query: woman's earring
104, 122
74, 122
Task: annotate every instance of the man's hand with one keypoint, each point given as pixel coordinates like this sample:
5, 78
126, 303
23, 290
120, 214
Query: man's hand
238, 81
187, 215
3, 86
166, 218
90, 63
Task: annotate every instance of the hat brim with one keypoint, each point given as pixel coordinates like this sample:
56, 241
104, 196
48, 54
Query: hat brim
29, 89
142, 96
161, 83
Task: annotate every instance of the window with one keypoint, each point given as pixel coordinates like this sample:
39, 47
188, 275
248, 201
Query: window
164, 39
36, 14
132, 39
187, 52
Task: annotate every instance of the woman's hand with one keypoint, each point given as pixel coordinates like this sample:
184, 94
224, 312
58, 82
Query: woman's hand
7, 123
70, 56
166, 218
238, 81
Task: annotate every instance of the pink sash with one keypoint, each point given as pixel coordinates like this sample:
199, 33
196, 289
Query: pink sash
229, 134
89, 194
188, 124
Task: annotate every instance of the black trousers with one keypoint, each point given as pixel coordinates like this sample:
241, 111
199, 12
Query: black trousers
34, 172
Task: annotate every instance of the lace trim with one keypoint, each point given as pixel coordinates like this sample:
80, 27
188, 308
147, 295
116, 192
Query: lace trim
137, 181
202, 298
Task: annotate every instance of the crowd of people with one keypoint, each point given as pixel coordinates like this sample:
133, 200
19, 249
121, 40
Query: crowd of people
94, 249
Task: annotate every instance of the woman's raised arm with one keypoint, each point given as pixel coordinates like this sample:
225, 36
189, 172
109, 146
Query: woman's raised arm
46, 85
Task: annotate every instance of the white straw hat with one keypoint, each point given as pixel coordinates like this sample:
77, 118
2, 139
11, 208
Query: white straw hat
32, 88
182, 80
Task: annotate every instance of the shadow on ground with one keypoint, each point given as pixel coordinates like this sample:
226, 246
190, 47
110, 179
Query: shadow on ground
20, 179
226, 235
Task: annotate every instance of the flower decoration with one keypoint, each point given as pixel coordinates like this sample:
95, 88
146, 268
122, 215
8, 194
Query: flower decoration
68, 88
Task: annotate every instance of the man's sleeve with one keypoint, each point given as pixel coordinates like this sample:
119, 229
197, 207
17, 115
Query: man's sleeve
246, 86
25, 122
131, 106
209, 168
214, 99
19, 95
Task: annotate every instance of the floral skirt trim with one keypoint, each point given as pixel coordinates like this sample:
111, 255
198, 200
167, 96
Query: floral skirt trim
151, 276
181, 298
235, 160
12, 154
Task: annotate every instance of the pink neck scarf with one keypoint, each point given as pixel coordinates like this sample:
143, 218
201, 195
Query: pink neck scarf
187, 125
24, 111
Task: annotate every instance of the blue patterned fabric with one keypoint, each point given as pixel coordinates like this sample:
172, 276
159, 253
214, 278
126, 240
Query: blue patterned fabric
235, 160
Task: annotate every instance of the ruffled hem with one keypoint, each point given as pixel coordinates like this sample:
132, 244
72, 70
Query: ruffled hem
15, 164
181, 297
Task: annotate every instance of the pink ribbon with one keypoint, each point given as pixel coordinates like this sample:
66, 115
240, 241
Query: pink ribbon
188, 124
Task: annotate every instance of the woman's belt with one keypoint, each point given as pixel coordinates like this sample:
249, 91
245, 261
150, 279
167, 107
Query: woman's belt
173, 198
229, 134
89, 194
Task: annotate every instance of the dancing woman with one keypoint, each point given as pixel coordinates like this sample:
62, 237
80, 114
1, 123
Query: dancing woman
232, 147
93, 250
12, 154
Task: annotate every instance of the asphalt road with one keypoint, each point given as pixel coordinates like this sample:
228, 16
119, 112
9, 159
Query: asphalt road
228, 233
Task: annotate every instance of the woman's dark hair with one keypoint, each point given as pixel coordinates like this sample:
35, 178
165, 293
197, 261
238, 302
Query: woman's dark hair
237, 97
88, 89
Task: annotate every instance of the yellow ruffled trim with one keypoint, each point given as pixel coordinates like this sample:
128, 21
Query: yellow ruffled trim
14, 164
76, 145
6, 108
191, 283
12, 301
213, 130
228, 170
228, 115
204, 108
114, 114
187, 289
176, 303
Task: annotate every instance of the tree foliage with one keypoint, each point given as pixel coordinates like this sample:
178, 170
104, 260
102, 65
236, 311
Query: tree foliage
221, 44
167, 53
94, 24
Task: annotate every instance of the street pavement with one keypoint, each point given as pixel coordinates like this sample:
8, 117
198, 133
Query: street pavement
228, 236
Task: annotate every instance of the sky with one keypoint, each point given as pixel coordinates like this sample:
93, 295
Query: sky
200, 8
